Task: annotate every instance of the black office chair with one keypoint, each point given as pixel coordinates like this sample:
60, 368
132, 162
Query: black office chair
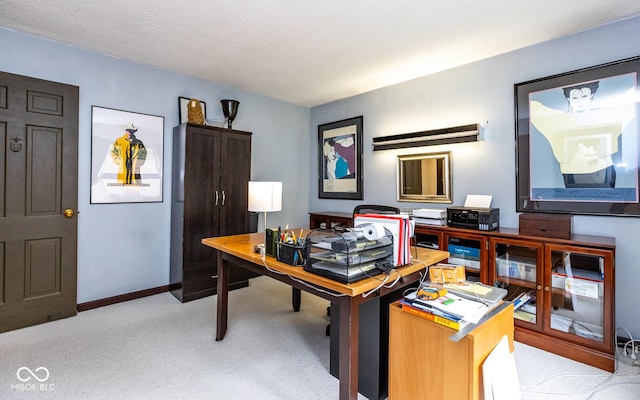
376, 209
363, 209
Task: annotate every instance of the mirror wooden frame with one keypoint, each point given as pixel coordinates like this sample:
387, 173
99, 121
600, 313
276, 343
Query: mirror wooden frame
440, 174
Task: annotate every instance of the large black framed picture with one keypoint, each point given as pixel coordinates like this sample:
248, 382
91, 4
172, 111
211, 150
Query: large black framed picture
577, 141
340, 159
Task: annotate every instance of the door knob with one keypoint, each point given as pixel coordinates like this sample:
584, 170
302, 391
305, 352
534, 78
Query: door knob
68, 213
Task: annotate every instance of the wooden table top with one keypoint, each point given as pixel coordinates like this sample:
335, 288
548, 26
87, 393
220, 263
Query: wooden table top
243, 246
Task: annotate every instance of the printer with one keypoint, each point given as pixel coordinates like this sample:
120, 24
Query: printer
483, 219
427, 216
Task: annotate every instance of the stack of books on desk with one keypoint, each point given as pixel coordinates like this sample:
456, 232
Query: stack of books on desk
416, 308
449, 310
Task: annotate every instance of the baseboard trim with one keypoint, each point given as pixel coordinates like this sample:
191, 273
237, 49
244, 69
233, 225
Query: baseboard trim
121, 298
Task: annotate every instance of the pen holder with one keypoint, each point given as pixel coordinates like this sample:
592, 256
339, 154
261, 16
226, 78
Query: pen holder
291, 254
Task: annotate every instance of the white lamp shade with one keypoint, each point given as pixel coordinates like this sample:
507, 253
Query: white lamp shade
265, 196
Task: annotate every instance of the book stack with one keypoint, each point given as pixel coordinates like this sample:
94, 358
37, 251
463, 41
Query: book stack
417, 309
521, 300
448, 310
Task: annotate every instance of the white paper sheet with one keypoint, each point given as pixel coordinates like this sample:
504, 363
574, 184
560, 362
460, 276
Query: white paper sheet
499, 374
478, 201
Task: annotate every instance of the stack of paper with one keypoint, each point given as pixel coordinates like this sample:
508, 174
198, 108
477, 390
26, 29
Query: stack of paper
477, 291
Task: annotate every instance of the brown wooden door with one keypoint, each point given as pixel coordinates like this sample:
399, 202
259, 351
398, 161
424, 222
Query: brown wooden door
200, 195
38, 182
235, 164
235, 173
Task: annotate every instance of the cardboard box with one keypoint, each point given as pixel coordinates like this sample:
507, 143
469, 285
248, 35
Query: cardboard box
446, 273
547, 225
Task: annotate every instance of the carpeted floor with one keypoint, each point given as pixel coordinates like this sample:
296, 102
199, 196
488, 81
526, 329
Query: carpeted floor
159, 348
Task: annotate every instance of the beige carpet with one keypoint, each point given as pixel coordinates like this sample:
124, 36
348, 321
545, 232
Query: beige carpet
159, 348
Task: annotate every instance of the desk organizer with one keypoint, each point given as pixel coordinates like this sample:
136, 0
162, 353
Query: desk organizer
347, 256
291, 254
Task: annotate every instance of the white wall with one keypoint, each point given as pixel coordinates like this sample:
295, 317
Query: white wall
482, 92
125, 247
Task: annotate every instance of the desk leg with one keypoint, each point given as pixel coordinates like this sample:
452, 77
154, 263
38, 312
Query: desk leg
222, 296
296, 296
348, 346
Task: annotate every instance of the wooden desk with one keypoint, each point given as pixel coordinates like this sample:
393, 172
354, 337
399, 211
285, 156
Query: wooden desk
239, 249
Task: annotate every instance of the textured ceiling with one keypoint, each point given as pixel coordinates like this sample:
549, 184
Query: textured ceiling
308, 52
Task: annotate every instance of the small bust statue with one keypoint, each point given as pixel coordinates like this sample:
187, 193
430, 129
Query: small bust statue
194, 112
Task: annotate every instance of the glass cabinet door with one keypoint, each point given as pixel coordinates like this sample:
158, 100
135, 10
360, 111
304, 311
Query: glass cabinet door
428, 239
469, 251
576, 292
515, 267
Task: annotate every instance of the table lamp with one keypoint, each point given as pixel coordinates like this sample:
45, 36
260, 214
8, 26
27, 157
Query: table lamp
265, 197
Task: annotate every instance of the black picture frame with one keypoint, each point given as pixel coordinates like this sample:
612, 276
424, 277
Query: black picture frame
183, 102
577, 147
340, 174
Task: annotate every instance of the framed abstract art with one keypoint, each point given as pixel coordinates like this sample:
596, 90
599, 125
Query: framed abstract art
340, 174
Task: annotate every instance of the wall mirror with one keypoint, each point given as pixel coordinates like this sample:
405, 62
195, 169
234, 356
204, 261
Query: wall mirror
425, 178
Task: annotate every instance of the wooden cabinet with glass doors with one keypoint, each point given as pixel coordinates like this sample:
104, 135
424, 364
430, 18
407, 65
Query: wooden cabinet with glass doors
563, 294
516, 265
562, 290
466, 247
470, 250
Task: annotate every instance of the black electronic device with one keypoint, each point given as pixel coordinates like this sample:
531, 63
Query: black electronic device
482, 219
271, 240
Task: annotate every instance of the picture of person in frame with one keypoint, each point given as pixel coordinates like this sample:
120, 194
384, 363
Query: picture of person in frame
129, 154
339, 157
585, 136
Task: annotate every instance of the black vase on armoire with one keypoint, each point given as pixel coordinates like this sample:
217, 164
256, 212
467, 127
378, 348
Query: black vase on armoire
211, 171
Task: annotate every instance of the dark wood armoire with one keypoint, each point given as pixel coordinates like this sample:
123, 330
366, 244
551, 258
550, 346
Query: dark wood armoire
211, 171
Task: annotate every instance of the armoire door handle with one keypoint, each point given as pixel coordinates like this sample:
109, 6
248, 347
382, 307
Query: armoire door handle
223, 197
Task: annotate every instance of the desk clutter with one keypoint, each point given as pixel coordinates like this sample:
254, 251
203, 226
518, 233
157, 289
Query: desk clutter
377, 243
455, 304
291, 249
348, 256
